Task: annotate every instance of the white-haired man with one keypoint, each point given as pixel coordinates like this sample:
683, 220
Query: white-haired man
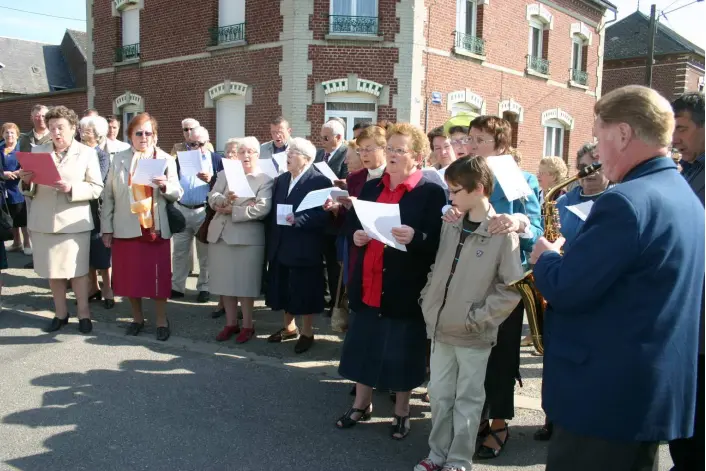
193, 206
188, 125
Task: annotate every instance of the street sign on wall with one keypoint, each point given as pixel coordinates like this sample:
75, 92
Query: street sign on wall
435, 98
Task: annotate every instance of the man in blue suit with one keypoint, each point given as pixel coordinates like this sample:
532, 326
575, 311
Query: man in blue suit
621, 330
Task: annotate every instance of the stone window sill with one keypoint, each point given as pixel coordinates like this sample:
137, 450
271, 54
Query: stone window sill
126, 62
577, 85
465, 53
537, 74
227, 45
353, 37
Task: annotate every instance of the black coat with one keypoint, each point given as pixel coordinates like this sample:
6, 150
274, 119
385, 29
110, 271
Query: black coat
405, 273
298, 245
337, 161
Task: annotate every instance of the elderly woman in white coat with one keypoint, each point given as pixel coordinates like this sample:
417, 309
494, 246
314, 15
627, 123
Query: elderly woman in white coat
236, 238
60, 217
135, 224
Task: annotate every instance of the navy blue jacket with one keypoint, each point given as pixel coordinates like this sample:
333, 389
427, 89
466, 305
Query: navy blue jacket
621, 332
9, 163
298, 245
405, 273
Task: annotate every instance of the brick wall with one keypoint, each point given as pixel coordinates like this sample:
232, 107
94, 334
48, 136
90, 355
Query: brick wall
693, 74
18, 109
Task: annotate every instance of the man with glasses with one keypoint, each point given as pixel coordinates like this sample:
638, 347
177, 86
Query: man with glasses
188, 125
281, 134
193, 206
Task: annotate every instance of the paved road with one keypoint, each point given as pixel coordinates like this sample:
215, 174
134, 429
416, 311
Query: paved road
109, 402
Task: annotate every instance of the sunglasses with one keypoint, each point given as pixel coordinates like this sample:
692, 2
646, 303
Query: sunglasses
188, 129
143, 133
197, 144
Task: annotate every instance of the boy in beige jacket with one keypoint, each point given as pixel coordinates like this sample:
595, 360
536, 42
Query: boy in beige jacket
466, 298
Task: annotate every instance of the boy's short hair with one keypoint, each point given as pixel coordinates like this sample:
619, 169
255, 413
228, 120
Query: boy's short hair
468, 172
456, 129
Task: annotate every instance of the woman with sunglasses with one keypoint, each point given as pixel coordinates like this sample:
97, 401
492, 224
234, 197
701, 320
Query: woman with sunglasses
136, 226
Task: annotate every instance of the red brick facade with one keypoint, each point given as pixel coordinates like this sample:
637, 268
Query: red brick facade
18, 109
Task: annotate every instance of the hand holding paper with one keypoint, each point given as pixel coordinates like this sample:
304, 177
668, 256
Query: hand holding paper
42, 166
190, 163
237, 181
283, 211
147, 170
379, 220
318, 198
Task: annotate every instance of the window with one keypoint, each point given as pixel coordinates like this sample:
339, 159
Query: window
464, 109
130, 35
354, 17
230, 119
536, 39
231, 22
466, 17
553, 139
579, 52
352, 109
127, 117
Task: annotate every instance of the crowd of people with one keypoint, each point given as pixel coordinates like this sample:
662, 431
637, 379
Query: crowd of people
623, 333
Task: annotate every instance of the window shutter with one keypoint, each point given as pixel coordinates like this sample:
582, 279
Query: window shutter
479, 20
584, 58
545, 43
230, 119
131, 26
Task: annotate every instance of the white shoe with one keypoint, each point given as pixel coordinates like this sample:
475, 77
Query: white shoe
28, 251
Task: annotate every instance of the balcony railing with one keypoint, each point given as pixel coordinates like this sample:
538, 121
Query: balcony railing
126, 53
227, 34
538, 64
339, 24
579, 76
470, 43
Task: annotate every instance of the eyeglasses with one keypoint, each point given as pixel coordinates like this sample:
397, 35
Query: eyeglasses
197, 144
368, 150
478, 140
397, 152
188, 129
143, 133
326, 138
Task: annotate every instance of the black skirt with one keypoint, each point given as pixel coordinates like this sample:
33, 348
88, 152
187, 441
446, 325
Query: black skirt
295, 290
18, 211
384, 353
99, 257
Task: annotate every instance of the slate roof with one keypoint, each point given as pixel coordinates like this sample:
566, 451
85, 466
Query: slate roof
32, 67
628, 38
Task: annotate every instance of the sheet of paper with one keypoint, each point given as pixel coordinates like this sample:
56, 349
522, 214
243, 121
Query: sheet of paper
315, 199
237, 181
281, 159
190, 163
43, 166
582, 210
326, 171
284, 210
509, 176
378, 220
338, 193
147, 169
268, 167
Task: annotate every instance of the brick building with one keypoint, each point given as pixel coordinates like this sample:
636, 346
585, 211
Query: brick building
678, 65
235, 64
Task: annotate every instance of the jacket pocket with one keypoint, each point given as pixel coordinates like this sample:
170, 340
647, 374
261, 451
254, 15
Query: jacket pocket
570, 351
471, 325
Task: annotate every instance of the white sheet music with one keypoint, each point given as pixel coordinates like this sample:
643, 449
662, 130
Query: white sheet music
284, 210
582, 210
509, 176
237, 181
190, 162
326, 171
315, 199
268, 167
147, 169
378, 220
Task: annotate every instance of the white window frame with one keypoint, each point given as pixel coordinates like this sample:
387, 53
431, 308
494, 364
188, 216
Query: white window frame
462, 16
350, 115
127, 112
553, 131
535, 23
577, 41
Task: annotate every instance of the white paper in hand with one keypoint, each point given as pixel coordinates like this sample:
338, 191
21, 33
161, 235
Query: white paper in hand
509, 176
338, 193
315, 199
237, 181
190, 162
268, 167
378, 220
326, 171
582, 210
281, 159
147, 169
284, 210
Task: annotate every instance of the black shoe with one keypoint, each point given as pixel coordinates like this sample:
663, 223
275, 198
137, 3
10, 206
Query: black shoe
30, 265
303, 344
97, 296
203, 297
134, 328
544, 433
56, 324
85, 326
163, 333
218, 313
109, 303
176, 295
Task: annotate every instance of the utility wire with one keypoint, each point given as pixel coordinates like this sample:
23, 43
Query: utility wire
679, 8
42, 14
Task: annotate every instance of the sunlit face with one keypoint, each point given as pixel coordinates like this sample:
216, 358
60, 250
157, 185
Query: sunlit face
198, 141
371, 155
401, 159
62, 133
443, 151
464, 200
280, 133
612, 141
143, 137
545, 177
187, 129
38, 119
328, 139
88, 136
10, 136
231, 151
353, 161
296, 162
248, 156
113, 129
458, 141
480, 143
596, 182
688, 138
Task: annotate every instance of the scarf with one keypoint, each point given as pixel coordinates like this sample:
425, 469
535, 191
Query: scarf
141, 201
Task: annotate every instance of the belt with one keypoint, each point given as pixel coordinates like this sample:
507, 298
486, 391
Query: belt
192, 206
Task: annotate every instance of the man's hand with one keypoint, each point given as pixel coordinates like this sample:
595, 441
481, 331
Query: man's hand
360, 238
231, 197
346, 201
341, 184
290, 218
10, 175
204, 176
543, 245
503, 224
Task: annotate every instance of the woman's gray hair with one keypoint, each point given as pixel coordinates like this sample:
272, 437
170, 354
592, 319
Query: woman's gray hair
587, 148
304, 147
233, 141
251, 142
98, 124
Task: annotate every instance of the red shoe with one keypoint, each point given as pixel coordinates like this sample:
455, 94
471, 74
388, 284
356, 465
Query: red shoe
227, 332
245, 335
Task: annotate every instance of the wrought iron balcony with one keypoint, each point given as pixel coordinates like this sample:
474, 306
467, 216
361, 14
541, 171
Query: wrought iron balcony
470, 43
126, 53
538, 64
339, 24
579, 76
227, 34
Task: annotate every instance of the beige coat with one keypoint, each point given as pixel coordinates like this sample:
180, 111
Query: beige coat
53, 212
243, 226
479, 298
116, 217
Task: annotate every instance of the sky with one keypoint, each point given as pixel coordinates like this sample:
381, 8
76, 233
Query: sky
685, 21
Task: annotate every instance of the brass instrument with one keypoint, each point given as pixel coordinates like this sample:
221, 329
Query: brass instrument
534, 302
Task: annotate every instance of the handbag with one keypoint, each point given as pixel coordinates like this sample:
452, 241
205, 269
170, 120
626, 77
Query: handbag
176, 220
202, 234
6, 223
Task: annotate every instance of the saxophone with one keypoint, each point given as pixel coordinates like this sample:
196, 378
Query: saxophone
534, 302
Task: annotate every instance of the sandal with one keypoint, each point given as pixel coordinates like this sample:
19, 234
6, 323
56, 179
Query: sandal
347, 420
401, 427
486, 452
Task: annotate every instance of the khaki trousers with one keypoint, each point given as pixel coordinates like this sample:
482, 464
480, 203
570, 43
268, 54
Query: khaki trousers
457, 394
182, 251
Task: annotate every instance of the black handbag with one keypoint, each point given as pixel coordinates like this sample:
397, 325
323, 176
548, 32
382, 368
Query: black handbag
6, 223
177, 221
